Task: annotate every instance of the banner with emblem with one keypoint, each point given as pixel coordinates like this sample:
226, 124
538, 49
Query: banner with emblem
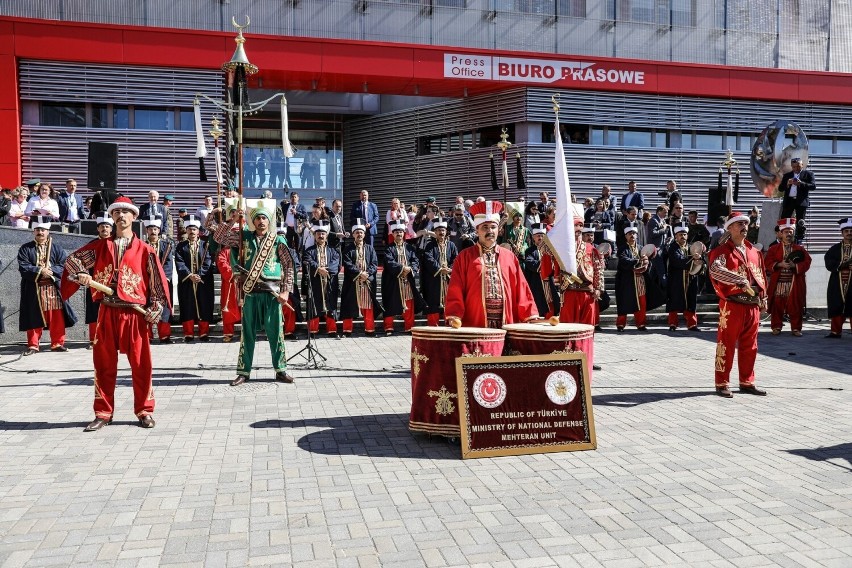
524, 404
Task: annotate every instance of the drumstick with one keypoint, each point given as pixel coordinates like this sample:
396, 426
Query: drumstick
455, 323
553, 320
749, 290
107, 291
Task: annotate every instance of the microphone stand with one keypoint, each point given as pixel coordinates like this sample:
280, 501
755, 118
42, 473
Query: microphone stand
309, 352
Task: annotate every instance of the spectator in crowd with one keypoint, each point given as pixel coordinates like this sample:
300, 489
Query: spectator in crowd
697, 231
168, 220
202, 212
632, 198
601, 219
717, 233
671, 195
70, 206
543, 203
394, 215
153, 207
676, 216
609, 202
531, 216
295, 215
42, 204
5, 204
18, 210
86, 209
460, 228
631, 216
368, 212
797, 185
753, 225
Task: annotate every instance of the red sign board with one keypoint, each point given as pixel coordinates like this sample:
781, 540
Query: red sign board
524, 404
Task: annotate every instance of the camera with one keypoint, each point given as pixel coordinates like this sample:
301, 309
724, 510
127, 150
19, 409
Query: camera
662, 193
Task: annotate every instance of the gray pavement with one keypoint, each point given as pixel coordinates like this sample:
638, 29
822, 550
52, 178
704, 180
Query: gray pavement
325, 473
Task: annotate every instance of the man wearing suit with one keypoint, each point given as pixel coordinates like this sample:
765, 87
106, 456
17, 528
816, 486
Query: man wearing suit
294, 214
797, 185
70, 206
153, 208
369, 213
660, 235
632, 198
338, 232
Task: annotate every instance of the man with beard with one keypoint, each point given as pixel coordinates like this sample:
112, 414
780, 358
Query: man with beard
488, 288
838, 259
681, 285
132, 271
579, 298
104, 226
322, 264
263, 268
41, 264
358, 298
438, 259
164, 248
737, 274
195, 283
543, 290
787, 265
399, 291
460, 228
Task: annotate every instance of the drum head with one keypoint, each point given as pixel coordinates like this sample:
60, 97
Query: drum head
697, 248
451, 333
758, 246
605, 249
649, 250
544, 328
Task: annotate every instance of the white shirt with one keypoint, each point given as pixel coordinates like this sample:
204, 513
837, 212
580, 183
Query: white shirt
794, 189
18, 210
47, 207
202, 214
72, 208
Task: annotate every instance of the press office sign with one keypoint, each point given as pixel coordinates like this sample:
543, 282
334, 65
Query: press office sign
540, 71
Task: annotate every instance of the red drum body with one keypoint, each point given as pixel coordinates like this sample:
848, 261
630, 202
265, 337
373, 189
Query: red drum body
538, 339
434, 399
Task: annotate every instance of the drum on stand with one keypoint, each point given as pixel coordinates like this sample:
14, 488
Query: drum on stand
537, 339
434, 400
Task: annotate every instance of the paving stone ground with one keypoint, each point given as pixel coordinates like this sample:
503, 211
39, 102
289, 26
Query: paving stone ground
325, 472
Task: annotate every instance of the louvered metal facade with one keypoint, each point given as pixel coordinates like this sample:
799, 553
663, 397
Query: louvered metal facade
147, 159
381, 152
791, 34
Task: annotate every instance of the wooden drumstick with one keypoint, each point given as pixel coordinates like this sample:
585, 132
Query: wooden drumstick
455, 323
107, 291
749, 290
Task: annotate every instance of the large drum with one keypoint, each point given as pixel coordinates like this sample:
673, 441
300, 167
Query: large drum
539, 339
434, 400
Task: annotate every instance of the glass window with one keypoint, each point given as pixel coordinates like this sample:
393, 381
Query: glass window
544, 7
467, 141
187, 120
683, 13
99, 116
844, 146
637, 138
597, 136
571, 8
490, 135
660, 139
121, 117
820, 145
455, 142
65, 115
708, 140
152, 118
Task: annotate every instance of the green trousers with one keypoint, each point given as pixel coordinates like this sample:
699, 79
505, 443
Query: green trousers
261, 309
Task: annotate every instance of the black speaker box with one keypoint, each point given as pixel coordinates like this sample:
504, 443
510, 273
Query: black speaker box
103, 166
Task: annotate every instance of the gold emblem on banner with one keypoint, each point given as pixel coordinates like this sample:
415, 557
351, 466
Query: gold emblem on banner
444, 405
416, 359
720, 357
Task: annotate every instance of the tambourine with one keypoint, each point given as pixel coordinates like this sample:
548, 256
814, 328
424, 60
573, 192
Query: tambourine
758, 246
648, 251
697, 248
796, 256
507, 246
605, 249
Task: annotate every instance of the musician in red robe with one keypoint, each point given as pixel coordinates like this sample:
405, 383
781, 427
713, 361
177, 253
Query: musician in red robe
579, 299
737, 274
132, 270
787, 264
488, 288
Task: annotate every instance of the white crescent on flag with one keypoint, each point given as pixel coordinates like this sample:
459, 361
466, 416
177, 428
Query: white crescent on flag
560, 238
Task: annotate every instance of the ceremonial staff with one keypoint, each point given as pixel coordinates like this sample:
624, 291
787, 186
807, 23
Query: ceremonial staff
236, 107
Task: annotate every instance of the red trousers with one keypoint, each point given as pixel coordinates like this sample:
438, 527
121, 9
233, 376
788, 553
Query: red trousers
837, 324
578, 307
288, 316
122, 330
690, 317
92, 327
793, 305
369, 322
639, 317
738, 325
189, 328
330, 325
55, 320
228, 297
407, 317
433, 320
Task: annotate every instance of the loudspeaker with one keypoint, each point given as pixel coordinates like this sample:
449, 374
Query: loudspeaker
103, 166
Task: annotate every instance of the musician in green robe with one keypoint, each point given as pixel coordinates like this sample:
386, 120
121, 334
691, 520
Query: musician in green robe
263, 269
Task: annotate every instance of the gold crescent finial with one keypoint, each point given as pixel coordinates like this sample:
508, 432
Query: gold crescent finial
555, 99
238, 26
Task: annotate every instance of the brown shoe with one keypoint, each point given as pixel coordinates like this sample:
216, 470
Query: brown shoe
59, 348
238, 381
724, 392
97, 424
797, 333
283, 377
30, 351
752, 390
776, 331
227, 338
147, 421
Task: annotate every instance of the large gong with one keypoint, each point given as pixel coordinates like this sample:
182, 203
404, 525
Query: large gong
775, 146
